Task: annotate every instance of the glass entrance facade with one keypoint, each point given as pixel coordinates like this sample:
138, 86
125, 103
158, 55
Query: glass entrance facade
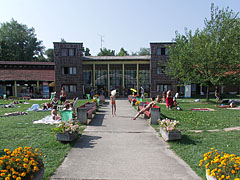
104, 77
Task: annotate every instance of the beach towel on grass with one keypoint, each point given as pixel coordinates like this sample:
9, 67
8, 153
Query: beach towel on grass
202, 109
46, 120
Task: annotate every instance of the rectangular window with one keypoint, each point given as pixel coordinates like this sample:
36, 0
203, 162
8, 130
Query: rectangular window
159, 51
71, 52
163, 87
70, 88
69, 70
72, 70
64, 52
161, 69
65, 70
68, 52
162, 51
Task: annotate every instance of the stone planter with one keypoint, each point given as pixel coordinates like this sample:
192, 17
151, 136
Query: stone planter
170, 135
82, 115
209, 177
39, 174
66, 136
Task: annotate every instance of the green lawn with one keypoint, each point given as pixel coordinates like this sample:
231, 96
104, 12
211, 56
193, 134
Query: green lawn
18, 131
193, 145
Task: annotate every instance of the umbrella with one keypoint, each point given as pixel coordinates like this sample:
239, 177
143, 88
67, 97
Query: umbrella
134, 90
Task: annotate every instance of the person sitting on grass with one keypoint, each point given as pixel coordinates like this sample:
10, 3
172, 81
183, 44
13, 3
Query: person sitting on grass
158, 99
54, 114
147, 108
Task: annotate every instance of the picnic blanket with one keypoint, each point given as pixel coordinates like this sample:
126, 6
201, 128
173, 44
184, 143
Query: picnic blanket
46, 120
202, 109
34, 107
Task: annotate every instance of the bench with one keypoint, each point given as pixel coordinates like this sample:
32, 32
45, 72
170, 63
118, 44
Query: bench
85, 112
153, 113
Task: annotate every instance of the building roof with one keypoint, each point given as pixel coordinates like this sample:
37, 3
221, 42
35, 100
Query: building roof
27, 63
27, 75
115, 58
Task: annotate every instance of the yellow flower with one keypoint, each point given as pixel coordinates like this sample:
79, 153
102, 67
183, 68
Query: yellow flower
14, 176
18, 178
17, 160
2, 174
6, 150
222, 176
219, 170
36, 150
233, 172
25, 165
7, 178
25, 160
23, 174
35, 168
228, 177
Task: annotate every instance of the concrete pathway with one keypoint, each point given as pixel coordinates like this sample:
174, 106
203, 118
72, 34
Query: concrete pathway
120, 148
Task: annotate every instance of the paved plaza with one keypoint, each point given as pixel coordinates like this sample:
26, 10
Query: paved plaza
120, 148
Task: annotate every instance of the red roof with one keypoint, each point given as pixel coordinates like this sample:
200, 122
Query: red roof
27, 63
27, 75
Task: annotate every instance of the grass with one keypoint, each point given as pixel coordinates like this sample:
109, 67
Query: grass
192, 146
20, 131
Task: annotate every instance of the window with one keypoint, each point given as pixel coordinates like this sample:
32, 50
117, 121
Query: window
69, 70
162, 51
158, 51
70, 88
161, 69
64, 52
71, 52
72, 70
68, 52
163, 87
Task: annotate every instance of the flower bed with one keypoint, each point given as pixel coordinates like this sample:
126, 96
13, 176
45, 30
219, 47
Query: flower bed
221, 165
22, 163
168, 129
67, 131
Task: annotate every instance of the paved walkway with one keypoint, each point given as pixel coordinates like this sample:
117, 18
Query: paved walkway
120, 148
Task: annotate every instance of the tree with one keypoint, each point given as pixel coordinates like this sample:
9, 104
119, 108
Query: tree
50, 55
106, 52
19, 43
208, 57
87, 52
142, 52
122, 52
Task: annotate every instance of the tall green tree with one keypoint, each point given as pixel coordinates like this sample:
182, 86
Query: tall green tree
50, 55
87, 52
19, 43
122, 52
208, 57
141, 52
106, 52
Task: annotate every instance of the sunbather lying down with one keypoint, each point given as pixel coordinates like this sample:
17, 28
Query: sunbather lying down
15, 113
232, 105
148, 107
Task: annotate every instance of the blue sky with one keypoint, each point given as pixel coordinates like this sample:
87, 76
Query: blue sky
131, 24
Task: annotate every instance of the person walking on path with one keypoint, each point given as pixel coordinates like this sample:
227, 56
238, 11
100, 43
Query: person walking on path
113, 102
62, 95
142, 92
151, 104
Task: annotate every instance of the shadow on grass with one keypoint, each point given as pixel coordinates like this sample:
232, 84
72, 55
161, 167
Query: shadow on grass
186, 141
86, 141
162, 116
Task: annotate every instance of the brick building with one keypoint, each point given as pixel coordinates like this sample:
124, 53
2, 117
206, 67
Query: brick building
80, 74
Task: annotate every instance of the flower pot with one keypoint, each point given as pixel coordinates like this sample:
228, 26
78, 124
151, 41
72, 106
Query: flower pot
66, 136
209, 177
170, 135
39, 174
